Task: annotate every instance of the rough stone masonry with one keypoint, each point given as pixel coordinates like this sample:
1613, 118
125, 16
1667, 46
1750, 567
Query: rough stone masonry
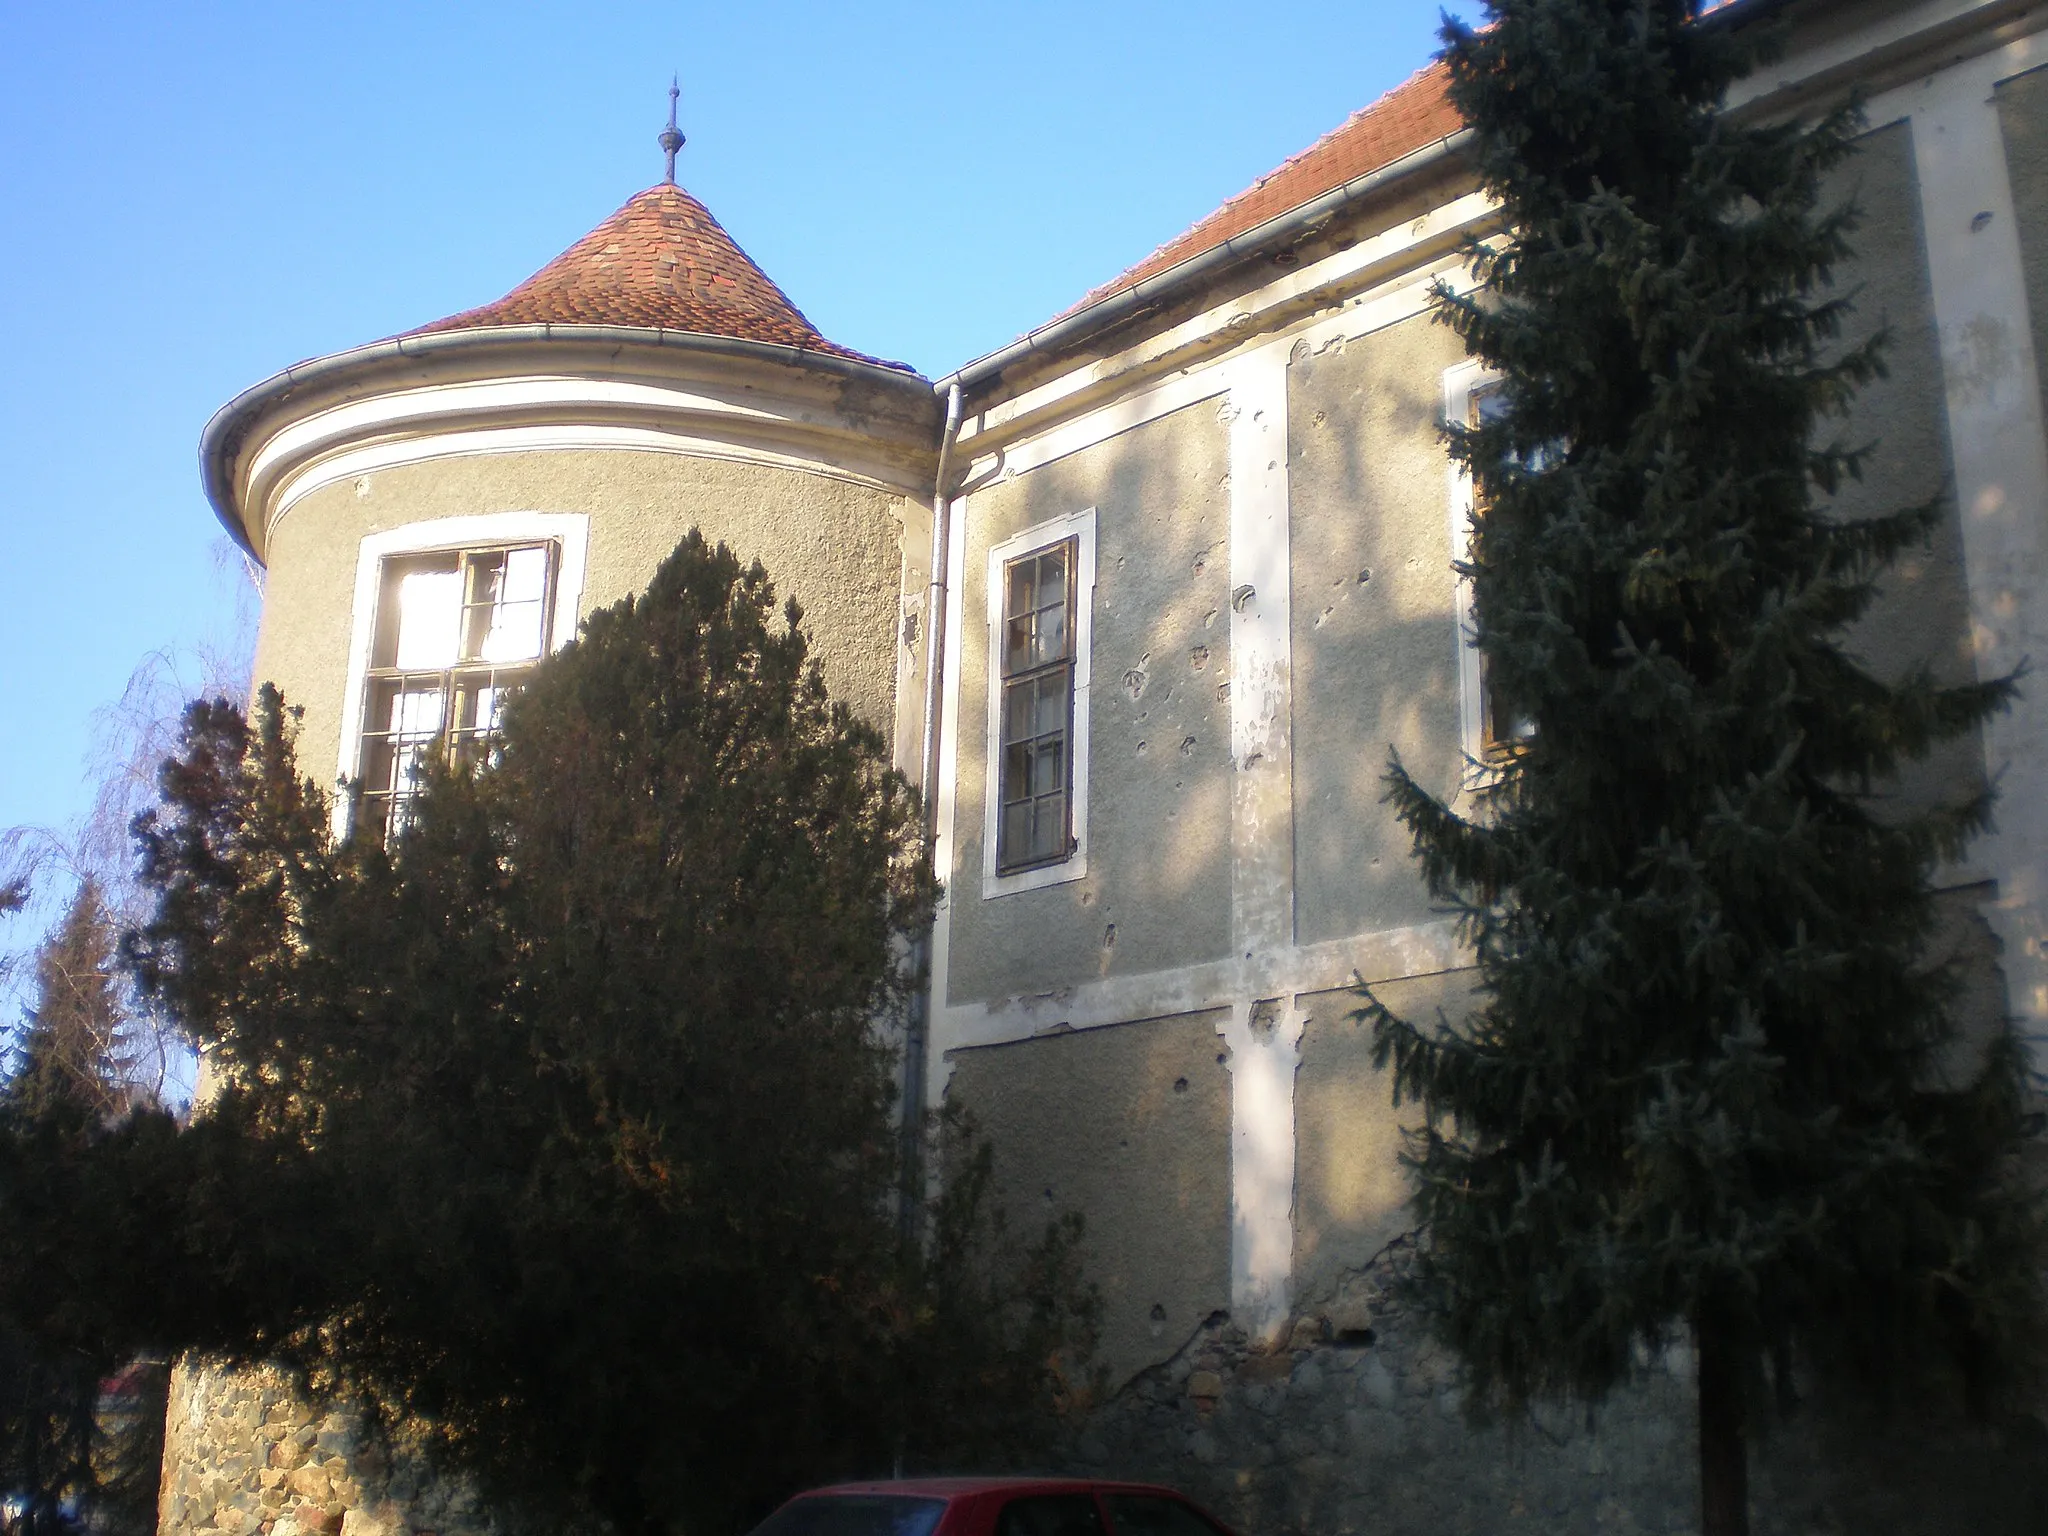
246, 1455
1355, 1425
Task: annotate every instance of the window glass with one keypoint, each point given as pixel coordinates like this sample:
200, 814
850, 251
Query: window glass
456, 632
1500, 726
1035, 783
1050, 1514
506, 607
1148, 1514
854, 1514
429, 606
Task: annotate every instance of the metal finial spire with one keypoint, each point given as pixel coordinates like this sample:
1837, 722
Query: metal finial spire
671, 140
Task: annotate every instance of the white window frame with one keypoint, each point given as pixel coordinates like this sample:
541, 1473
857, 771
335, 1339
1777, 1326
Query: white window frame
568, 531
1080, 527
1460, 385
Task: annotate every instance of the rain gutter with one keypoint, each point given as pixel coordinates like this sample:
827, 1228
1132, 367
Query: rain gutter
917, 1027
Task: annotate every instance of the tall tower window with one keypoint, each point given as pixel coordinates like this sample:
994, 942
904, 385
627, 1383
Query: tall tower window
1037, 710
1041, 591
456, 631
1501, 727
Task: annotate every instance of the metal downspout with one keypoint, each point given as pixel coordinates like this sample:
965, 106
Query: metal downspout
917, 1033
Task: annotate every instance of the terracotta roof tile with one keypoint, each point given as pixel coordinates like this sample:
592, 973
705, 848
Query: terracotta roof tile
664, 262
1413, 114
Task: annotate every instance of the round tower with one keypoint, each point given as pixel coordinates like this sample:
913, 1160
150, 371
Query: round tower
437, 511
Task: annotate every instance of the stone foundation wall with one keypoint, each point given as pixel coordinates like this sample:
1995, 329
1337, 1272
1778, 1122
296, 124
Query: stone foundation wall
246, 1455
1355, 1426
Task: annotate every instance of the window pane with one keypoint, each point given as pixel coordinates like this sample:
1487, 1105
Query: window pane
1049, 828
514, 606
1017, 646
1050, 1514
1047, 767
1016, 769
1020, 711
1023, 592
415, 712
1144, 1514
1051, 641
429, 612
1052, 579
1016, 834
1052, 703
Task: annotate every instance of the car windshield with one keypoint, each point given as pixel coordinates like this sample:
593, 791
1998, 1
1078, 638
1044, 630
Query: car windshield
854, 1514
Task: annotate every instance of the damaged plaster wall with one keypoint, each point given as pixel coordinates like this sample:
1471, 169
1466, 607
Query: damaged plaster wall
1157, 892
1375, 634
1130, 1126
1350, 1191
829, 543
1923, 617
2023, 123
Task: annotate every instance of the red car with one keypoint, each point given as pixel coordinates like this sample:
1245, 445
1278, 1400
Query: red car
991, 1506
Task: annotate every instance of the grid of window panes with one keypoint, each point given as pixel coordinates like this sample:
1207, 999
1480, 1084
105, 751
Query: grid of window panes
456, 631
1037, 720
1500, 728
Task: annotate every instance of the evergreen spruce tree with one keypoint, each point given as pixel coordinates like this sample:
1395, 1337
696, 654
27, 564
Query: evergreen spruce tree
71, 1048
67, 1085
1711, 1087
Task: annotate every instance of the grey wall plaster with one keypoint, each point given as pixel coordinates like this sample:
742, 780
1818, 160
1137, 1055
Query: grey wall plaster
1923, 616
1157, 892
1375, 639
1350, 1191
2023, 121
829, 543
1130, 1126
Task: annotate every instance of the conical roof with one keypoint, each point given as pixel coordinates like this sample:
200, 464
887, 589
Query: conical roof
662, 261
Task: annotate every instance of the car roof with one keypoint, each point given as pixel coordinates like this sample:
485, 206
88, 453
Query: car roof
959, 1487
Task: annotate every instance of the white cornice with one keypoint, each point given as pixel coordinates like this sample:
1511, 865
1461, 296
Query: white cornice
558, 389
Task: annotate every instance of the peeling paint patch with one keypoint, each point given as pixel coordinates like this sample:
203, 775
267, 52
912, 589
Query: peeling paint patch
1983, 358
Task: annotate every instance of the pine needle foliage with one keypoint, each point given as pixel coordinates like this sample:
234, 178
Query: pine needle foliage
1711, 1086
73, 1042
67, 1098
561, 1131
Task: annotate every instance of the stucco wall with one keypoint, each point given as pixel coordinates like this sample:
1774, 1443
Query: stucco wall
1159, 767
831, 544
1375, 637
2023, 120
1130, 1126
1350, 1191
1924, 615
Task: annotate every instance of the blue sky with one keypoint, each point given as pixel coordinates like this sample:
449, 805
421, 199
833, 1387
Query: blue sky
195, 196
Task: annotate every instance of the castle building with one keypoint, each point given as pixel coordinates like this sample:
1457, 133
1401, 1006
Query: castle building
1144, 598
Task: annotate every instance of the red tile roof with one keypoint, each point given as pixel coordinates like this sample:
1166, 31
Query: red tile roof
661, 261
1413, 114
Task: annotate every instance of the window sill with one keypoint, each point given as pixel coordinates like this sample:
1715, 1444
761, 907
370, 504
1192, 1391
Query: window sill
1075, 868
